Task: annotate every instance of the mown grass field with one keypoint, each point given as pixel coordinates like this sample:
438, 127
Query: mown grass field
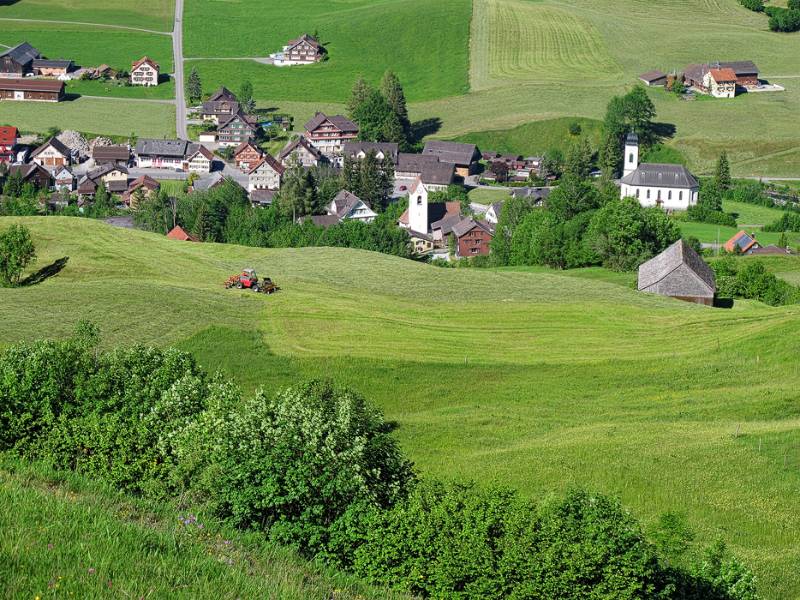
96, 115
145, 14
64, 537
425, 43
536, 379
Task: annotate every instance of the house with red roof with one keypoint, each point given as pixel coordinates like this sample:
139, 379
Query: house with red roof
720, 83
180, 234
144, 72
743, 243
8, 140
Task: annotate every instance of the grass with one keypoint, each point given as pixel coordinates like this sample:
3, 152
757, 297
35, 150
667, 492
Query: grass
425, 43
145, 14
66, 537
112, 89
537, 137
488, 195
104, 116
538, 379
748, 216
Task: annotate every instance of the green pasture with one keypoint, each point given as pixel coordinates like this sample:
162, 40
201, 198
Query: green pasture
488, 195
113, 89
145, 14
532, 378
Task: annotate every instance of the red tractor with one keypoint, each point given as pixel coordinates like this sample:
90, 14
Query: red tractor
250, 281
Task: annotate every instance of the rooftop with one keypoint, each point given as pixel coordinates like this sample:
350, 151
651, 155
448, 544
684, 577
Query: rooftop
661, 175
680, 253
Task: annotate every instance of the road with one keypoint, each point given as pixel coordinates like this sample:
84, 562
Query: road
177, 51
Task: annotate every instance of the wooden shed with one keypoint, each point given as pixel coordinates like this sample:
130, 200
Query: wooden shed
678, 272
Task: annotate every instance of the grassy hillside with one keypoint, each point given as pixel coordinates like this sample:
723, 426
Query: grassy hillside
64, 537
533, 378
146, 14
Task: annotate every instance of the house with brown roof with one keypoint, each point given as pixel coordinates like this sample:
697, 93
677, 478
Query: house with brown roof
117, 154
52, 154
32, 173
246, 155
8, 142
745, 73
236, 129
31, 90
220, 105
266, 174
52, 68
653, 78
148, 186
330, 134
465, 157
200, 159
742, 243
112, 176
382, 150
301, 151
144, 72
180, 234
678, 272
472, 238
305, 50
349, 206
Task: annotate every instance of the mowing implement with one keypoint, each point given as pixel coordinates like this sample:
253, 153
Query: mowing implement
248, 280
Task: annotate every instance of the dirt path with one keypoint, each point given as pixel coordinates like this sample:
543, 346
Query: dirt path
89, 24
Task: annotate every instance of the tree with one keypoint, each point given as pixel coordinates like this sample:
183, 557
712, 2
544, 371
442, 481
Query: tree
512, 214
572, 197
375, 118
632, 112
195, 87
392, 90
358, 95
500, 170
13, 185
552, 163
368, 179
579, 159
722, 173
17, 251
103, 203
246, 100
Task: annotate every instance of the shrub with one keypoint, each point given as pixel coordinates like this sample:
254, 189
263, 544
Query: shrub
784, 20
16, 252
754, 5
787, 222
752, 281
701, 214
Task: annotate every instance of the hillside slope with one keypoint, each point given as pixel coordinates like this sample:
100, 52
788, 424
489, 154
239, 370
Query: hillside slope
540, 380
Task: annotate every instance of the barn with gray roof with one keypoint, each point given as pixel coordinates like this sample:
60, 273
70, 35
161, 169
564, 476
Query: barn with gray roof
678, 272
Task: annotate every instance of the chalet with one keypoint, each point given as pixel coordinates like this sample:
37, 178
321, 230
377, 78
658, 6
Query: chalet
720, 83
64, 179
382, 150
680, 273
32, 173
266, 174
472, 238
52, 154
221, 105
180, 234
305, 50
302, 152
18, 61
113, 177
349, 206
437, 177
52, 68
330, 134
8, 141
670, 187
653, 78
148, 186
120, 155
246, 155
200, 159
745, 73
164, 154
236, 129
262, 198
144, 72
32, 90
742, 243
464, 156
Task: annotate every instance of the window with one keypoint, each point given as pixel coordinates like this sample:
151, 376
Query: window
669, 195
648, 194
637, 193
419, 200
658, 196
630, 157
680, 195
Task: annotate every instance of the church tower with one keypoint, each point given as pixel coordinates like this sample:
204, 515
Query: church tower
418, 207
631, 154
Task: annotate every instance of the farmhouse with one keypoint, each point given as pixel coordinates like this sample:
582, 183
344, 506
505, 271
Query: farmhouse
302, 152
349, 206
236, 129
147, 184
64, 179
200, 159
745, 73
113, 177
266, 174
52, 154
330, 134
382, 150
671, 187
742, 243
653, 78
246, 155
220, 105
32, 173
52, 68
464, 156
8, 141
32, 90
18, 61
111, 154
165, 154
680, 273
720, 83
305, 50
411, 166
472, 238
144, 72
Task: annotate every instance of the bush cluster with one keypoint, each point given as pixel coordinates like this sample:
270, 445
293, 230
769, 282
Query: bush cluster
701, 214
754, 5
315, 467
786, 20
752, 280
789, 221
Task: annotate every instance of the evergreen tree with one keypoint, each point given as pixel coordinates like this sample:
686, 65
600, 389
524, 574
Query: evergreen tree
246, 100
13, 185
195, 86
392, 90
722, 173
579, 159
358, 95
374, 117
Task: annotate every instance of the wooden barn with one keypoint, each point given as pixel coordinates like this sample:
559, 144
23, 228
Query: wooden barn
678, 272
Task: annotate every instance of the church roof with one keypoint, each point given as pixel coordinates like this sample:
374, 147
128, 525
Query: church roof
661, 175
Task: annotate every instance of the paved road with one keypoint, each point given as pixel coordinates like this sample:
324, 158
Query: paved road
90, 24
177, 52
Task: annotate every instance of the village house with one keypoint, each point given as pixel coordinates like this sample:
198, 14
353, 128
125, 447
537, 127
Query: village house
236, 129
262, 198
670, 187
200, 159
64, 179
472, 238
678, 272
301, 151
349, 206
31, 90
52, 154
117, 154
742, 243
113, 177
720, 83
168, 154
52, 68
18, 61
330, 134
246, 155
32, 173
492, 215
653, 78
465, 157
382, 150
536, 195
305, 50
149, 187
266, 174
144, 72
8, 142
411, 166
745, 74
221, 105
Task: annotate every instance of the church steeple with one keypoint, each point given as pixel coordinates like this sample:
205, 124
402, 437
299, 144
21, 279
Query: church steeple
631, 154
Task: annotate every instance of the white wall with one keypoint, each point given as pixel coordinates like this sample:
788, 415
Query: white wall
671, 198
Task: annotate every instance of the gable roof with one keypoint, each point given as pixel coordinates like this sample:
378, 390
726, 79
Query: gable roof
269, 160
344, 202
740, 67
223, 93
194, 149
8, 136
742, 240
438, 173
323, 220
262, 196
651, 76
180, 234
661, 175
104, 170
144, 181
220, 107
301, 141
248, 121
414, 163
466, 225
22, 54
111, 153
305, 38
722, 75
31, 85
41, 63
389, 149
538, 194
680, 253
145, 60
63, 172
55, 144
244, 145
156, 147
340, 122
452, 152
27, 170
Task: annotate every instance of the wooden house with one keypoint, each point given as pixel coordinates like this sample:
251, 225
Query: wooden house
52, 68
8, 142
472, 238
330, 134
148, 186
31, 90
653, 78
465, 157
304, 50
236, 129
52, 154
33, 173
18, 61
221, 105
678, 272
144, 72
246, 155
301, 151
120, 155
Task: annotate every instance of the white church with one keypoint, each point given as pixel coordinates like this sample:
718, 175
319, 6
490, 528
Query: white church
670, 187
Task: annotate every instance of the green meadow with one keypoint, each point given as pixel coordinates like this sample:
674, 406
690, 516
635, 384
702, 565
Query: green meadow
532, 378
144, 14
